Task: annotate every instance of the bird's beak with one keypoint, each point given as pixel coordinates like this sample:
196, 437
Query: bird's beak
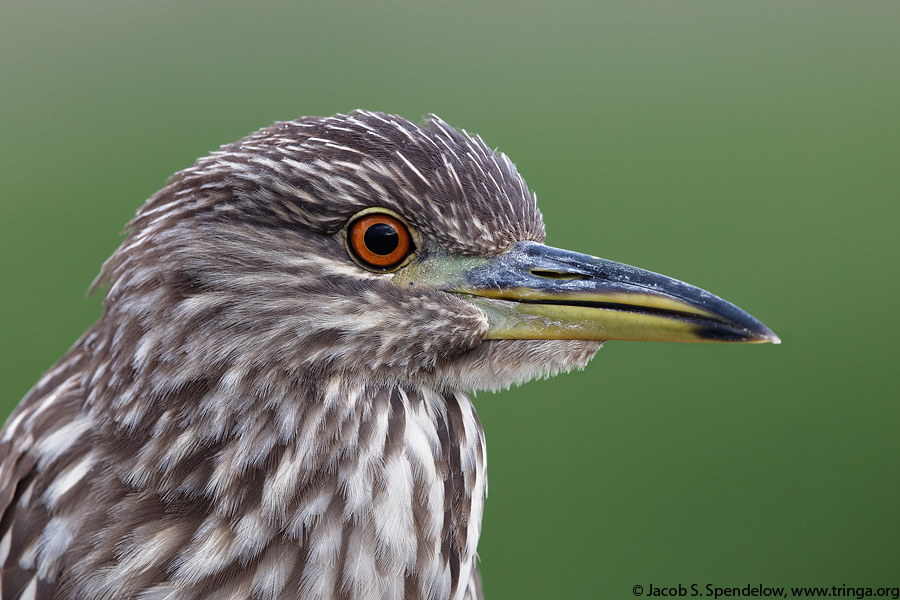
534, 291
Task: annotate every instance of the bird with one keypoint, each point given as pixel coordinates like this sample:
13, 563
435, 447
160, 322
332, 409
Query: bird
275, 403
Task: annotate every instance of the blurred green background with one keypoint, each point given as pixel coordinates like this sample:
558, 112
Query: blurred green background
750, 148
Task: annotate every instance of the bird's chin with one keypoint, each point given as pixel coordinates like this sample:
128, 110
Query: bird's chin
498, 364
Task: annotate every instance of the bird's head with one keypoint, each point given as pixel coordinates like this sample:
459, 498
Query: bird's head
369, 247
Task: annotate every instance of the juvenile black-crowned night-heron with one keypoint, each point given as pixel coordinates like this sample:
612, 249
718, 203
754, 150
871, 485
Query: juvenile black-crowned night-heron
273, 404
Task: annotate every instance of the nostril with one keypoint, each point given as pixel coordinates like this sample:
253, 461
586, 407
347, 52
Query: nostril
565, 275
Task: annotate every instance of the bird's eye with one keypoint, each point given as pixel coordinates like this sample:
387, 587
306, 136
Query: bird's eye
379, 241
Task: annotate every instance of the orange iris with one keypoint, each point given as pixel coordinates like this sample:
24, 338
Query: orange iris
379, 241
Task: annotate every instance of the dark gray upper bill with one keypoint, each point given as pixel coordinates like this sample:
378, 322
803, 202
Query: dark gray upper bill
564, 277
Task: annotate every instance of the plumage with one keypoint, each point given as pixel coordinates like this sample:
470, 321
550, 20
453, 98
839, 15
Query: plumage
258, 415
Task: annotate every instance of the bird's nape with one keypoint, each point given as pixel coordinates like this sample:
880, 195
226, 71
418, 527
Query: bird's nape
274, 403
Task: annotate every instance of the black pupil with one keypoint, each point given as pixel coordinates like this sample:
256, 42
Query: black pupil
381, 239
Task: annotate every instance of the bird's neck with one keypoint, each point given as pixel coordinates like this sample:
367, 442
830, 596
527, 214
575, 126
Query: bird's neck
358, 479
